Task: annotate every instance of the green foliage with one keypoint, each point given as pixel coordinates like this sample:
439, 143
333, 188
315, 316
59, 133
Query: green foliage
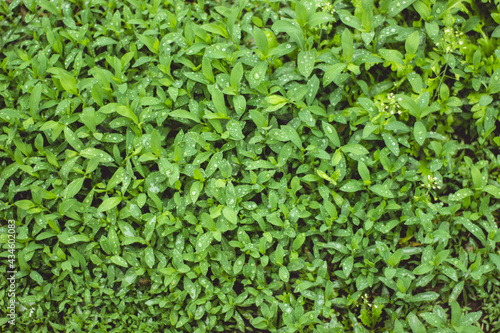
251, 166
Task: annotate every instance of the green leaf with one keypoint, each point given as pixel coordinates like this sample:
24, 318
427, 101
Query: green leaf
292, 135
301, 13
195, 191
278, 254
150, 42
456, 314
206, 67
36, 95
415, 81
183, 114
470, 318
419, 132
347, 265
364, 172
215, 29
114, 242
260, 39
331, 133
71, 239
122, 110
391, 143
117, 260
412, 42
382, 191
492, 190
284, 274
456, 291
149, 257
398, 5
259, 323
238, 264
68, 82
423, 269
72, 139
234, 129
473, 229
348, 19
109, 203
355, 148
218, 100
318, 18
460, 194
428, 296
408, 104
204, 242
298, 241
230, 214
92, 153
415, 324
236, 75
258, 118
37, 277
433, 319
369, 129
332, 72
258, 74
476, 177
351, 186
73, 188
305, 62
156, 142
347, 45
395, 258
292, 29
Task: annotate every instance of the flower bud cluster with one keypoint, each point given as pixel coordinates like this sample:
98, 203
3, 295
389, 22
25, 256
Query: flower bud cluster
452, 40
391, 106
432, 183
327, 7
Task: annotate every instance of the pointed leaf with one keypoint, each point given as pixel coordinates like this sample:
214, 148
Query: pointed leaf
391, 143
305, 62
331, 133
332, 73
420, 132
382, 191
109, 203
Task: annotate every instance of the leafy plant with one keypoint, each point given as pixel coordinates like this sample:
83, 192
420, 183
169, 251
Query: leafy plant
274, 166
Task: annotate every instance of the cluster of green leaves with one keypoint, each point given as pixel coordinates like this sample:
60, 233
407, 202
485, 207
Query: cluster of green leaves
277, 166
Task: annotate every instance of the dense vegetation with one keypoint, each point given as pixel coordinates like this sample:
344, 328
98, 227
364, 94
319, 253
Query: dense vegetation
250, 166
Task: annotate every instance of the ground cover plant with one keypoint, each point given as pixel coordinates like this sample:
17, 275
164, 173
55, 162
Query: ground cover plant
250, 166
